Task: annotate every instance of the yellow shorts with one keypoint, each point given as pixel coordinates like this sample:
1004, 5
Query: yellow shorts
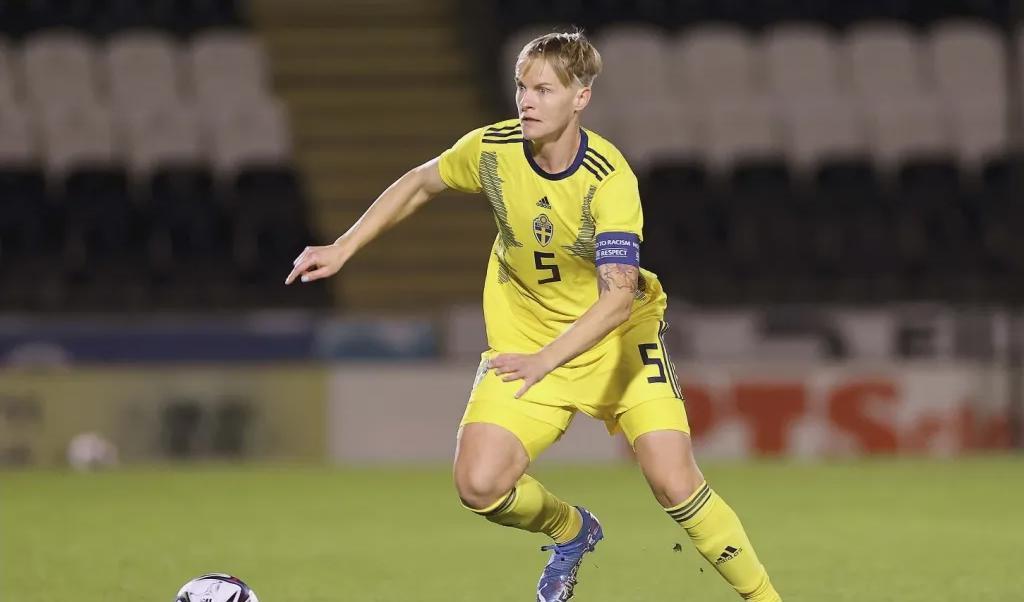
632, 386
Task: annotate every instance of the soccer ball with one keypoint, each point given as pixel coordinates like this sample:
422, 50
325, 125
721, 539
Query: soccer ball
216, 587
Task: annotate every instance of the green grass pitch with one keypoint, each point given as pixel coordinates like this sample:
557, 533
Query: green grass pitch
864, 531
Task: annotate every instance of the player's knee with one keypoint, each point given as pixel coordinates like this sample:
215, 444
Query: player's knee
675, 487
477, 488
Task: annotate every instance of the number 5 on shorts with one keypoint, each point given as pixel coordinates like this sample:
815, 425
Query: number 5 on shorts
653, 361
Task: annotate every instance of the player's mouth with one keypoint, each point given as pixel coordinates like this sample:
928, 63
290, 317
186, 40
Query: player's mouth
526, 119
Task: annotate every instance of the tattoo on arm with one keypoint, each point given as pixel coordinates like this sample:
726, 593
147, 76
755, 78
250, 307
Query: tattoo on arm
617, 276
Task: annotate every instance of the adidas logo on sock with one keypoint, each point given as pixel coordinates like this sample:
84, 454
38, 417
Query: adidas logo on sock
729, 553
543, 203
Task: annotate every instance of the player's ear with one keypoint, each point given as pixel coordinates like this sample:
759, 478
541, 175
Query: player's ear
582, 98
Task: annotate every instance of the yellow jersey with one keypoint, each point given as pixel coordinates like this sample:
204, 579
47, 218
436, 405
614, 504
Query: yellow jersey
542, 275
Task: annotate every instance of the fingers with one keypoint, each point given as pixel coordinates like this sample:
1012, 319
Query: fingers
316, 274
500, 364
301, 267
513, 375
526, 387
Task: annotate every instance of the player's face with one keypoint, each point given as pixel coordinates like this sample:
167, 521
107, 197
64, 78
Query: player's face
546, 106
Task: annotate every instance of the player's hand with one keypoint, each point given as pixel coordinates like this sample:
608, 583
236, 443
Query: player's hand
315, 263
528, 367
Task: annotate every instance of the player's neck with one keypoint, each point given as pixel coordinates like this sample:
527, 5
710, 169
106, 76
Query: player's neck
555, 155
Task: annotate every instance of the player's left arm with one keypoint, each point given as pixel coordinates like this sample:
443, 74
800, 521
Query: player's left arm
617, 285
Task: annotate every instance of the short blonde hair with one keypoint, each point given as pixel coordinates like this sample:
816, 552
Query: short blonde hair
570, 54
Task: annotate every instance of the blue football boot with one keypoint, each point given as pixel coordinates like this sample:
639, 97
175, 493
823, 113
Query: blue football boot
559, 577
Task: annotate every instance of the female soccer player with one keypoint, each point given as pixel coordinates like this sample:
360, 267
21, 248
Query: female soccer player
573, 323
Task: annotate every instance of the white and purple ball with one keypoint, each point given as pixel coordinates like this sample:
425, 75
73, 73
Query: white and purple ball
216, 587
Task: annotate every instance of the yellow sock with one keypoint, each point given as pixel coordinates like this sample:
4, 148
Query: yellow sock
718, 535
530, 507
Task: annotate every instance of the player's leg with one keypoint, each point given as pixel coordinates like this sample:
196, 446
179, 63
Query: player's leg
494, 449
659, 434
500, 436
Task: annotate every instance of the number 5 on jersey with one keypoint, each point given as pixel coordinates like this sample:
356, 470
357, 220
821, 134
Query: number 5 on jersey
538, 260
645, 349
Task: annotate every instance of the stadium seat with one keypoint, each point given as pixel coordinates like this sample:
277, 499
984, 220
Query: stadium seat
851, 220
968, 60
60, 68
979, 131
76, 135
884, 61
104, 257
742, 129
970, 73
820, 129
624, 48
30, 242
270, 225
268, 192
658, 130
255, 131
227, 67
23, 211
162, 135
802, 60
712, 62
680, 219
142, 70
188, 243
17, 136
908, 127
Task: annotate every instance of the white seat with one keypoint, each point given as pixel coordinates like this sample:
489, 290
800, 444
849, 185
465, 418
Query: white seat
227, 66
253, 132
17, 135
743, 128
968, 61
142, 68
712, 62
60, 68
658, 129
884, 60
979, 130
802, 60
162, 135
822, 128
75, 135
634, 58
905, 128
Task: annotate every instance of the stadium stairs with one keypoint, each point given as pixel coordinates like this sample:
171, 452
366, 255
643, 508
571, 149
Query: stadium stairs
375, 88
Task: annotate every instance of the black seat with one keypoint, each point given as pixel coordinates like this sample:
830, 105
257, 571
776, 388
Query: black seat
104, 234
268, 192
30, 242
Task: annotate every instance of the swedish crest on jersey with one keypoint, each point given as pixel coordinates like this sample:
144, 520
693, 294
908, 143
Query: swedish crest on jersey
543, 229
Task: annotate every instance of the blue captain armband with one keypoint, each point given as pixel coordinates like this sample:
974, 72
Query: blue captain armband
617, 247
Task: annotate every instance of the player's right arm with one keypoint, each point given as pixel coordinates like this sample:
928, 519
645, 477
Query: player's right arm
456, 168
400, 200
